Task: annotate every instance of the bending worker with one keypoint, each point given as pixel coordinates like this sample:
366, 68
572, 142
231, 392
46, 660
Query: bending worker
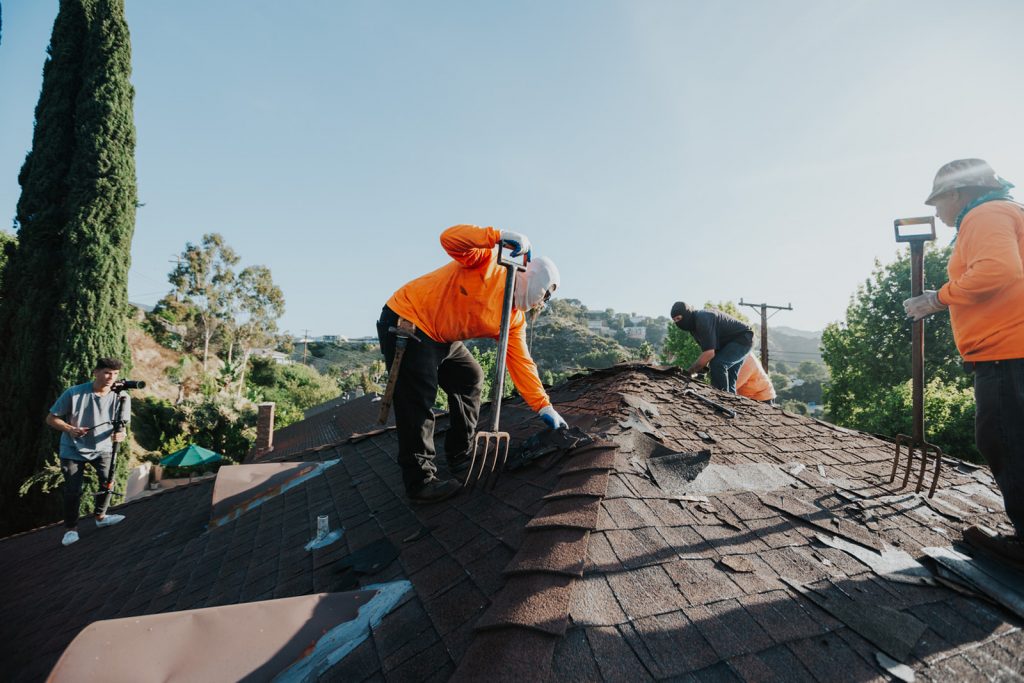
724, 342
753, 382
461, 300
985, 298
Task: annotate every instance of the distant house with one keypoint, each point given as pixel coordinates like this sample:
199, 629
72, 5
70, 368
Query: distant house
277, 356
636, 332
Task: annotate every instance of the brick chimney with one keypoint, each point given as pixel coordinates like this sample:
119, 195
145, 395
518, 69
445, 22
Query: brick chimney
264, 429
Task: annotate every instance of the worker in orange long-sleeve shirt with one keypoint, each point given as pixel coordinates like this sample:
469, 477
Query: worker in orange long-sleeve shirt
985, 297
461, 300
753, 382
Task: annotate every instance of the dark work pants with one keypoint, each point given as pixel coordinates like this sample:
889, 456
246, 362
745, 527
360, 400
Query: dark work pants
725, 366
427, 365
74, 473
999, 429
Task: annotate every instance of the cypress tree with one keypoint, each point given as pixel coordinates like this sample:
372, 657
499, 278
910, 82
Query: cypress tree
64, 298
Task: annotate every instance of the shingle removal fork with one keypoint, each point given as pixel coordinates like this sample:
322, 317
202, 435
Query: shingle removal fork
490, 449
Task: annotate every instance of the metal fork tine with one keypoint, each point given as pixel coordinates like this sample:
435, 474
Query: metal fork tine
500, 457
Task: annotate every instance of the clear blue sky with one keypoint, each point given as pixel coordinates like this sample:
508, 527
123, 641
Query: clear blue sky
657, 150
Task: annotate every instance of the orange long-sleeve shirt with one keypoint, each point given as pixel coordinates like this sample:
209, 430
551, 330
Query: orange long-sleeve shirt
462, 300
753, 382
985, 292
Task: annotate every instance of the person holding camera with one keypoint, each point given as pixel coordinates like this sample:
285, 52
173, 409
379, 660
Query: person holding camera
85, 416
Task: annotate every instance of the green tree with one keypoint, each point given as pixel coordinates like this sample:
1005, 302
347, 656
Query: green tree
8, 243
260, 304
65, 299
204, 277
293, 387
869, 361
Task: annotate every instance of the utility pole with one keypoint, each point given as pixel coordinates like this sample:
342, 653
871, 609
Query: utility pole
764, 327
305, 342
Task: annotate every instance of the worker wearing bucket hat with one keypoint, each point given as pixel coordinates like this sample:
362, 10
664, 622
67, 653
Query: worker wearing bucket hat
985, 298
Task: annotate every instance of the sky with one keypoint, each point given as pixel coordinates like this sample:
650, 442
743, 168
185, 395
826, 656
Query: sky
656, 150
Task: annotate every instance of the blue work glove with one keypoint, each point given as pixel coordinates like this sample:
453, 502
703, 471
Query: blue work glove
923, 306
552, 418
516, 241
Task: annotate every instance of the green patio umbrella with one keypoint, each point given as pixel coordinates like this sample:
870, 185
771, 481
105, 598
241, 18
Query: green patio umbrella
190, 455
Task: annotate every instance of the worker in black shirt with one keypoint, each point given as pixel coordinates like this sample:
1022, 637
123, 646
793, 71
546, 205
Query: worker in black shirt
724, 342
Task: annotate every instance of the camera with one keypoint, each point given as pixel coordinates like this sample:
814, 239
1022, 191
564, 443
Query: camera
123, 384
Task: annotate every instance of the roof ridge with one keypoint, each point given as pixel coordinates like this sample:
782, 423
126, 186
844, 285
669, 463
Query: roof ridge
531, 611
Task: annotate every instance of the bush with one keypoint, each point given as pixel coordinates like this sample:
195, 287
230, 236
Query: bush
948, 416
293, 388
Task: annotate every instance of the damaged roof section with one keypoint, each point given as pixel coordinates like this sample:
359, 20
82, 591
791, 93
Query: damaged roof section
681, 540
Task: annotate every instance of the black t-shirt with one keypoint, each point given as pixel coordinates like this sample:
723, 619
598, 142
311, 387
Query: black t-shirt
714, 329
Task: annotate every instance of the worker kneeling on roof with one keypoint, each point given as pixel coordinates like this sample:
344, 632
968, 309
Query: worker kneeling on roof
724, 342
461, 300
985, 298
753, 382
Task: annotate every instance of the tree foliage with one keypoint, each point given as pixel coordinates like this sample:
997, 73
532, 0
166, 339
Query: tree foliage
293, 387
259, 304
64, 301
869, 359
204, 278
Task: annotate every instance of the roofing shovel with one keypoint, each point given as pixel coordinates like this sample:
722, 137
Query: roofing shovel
490, 449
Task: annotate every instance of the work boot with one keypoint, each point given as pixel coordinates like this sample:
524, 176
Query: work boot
434, 490
71, 536
1002, 547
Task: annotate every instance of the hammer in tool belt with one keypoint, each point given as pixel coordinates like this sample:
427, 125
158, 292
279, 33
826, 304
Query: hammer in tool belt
403, 331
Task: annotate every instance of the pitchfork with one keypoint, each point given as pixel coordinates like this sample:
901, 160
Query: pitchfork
490, 449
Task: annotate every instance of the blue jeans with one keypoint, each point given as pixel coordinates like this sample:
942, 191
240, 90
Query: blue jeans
999, 429
725, 366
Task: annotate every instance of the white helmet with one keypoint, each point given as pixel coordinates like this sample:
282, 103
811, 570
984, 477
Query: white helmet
536, 284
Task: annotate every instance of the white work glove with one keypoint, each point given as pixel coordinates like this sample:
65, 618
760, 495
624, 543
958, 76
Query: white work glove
919, 307
517, 241
552, 418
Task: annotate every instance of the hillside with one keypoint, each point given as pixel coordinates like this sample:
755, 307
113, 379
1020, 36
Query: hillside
794, 346
150, 362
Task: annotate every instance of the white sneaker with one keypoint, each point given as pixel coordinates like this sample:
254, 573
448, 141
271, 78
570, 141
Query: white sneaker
69, 538
110, 520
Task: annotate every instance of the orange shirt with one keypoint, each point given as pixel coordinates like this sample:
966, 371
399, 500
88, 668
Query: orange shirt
985, 292
753, 381
462, 300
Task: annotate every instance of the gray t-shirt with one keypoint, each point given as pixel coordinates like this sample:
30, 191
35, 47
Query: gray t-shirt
80, 406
